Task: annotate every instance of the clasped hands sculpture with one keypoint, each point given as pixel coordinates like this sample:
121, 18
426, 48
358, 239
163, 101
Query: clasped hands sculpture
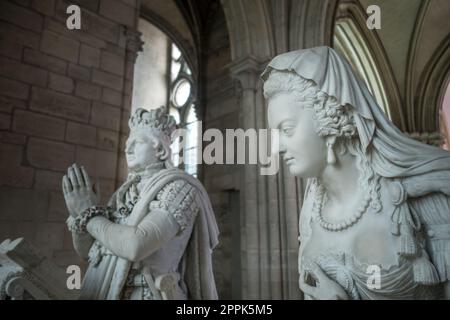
78, 191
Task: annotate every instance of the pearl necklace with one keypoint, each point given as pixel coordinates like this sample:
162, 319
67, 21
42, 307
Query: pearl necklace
336, 227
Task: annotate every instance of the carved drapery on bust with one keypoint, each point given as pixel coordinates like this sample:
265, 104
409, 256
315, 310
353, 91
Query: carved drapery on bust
375, 197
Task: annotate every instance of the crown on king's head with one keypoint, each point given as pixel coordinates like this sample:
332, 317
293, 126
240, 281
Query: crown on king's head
155, 119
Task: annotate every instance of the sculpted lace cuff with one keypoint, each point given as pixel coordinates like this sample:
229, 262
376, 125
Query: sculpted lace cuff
78, 224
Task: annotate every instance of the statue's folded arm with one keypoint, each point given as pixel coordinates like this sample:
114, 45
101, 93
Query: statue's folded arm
134, 243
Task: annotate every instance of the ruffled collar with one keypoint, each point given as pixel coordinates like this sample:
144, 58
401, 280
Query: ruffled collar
128, 194
145, 173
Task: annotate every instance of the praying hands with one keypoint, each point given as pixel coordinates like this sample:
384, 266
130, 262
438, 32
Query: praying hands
78, 191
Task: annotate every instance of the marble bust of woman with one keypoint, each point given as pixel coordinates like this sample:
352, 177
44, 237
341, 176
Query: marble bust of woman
375, 220
159, 222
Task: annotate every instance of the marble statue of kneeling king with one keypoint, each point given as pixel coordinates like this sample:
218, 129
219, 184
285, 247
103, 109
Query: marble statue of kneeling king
375, 220
155, 238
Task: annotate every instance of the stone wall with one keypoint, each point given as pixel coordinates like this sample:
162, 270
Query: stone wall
63, 94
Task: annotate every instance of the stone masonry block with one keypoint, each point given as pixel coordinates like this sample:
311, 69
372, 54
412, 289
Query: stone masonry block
35, 124
100, 27
9, 104
50, 235
98, 163
105, 116
131, 3
112, 62
12, 138
88, 91
22, 72
11, 171
81, 134
60, 104
48, 180
5, 121
23, 3
81, 35
14, 89
20, 204
118, 11
89, 56
20, 16
57, 210
91, 5
18, 35
46, 7
107, 80
48, 154
79, 72
60, 46
107, 139
112, 97
37, 58
10, 49
61, 83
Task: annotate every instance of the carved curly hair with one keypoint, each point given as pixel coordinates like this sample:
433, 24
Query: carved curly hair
159, 126
333, 119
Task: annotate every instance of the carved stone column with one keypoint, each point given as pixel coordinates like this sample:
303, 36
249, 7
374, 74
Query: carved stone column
269, 206
133, 45
259, 30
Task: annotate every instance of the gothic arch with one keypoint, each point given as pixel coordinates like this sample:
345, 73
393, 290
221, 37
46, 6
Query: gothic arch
259, 30
170, 26
428, 69
249, 29
431, 90
366, 49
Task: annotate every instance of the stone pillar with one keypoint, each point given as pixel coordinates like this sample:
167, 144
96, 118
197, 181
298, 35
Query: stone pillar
269, 206
133, 44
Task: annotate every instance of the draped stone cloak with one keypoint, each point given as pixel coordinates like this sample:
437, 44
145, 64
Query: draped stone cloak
107, 279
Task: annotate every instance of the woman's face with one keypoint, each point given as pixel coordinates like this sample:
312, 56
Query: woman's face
140, 150
303, 150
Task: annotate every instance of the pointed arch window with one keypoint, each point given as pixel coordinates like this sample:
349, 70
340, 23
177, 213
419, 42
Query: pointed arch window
349, 41
182, 107
162, 76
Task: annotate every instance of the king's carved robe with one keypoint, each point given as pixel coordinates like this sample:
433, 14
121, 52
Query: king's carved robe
162, 223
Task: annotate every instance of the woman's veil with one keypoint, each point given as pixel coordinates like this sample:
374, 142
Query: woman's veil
416, 169
391, 153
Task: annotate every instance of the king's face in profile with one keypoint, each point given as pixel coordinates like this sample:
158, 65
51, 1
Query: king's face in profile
140, 150
303, 150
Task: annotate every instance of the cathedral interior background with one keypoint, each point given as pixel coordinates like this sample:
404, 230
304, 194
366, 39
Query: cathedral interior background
66, 96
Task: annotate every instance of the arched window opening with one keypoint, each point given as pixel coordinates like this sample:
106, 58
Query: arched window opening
349, 41
150, 70
162, 77
182, 107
